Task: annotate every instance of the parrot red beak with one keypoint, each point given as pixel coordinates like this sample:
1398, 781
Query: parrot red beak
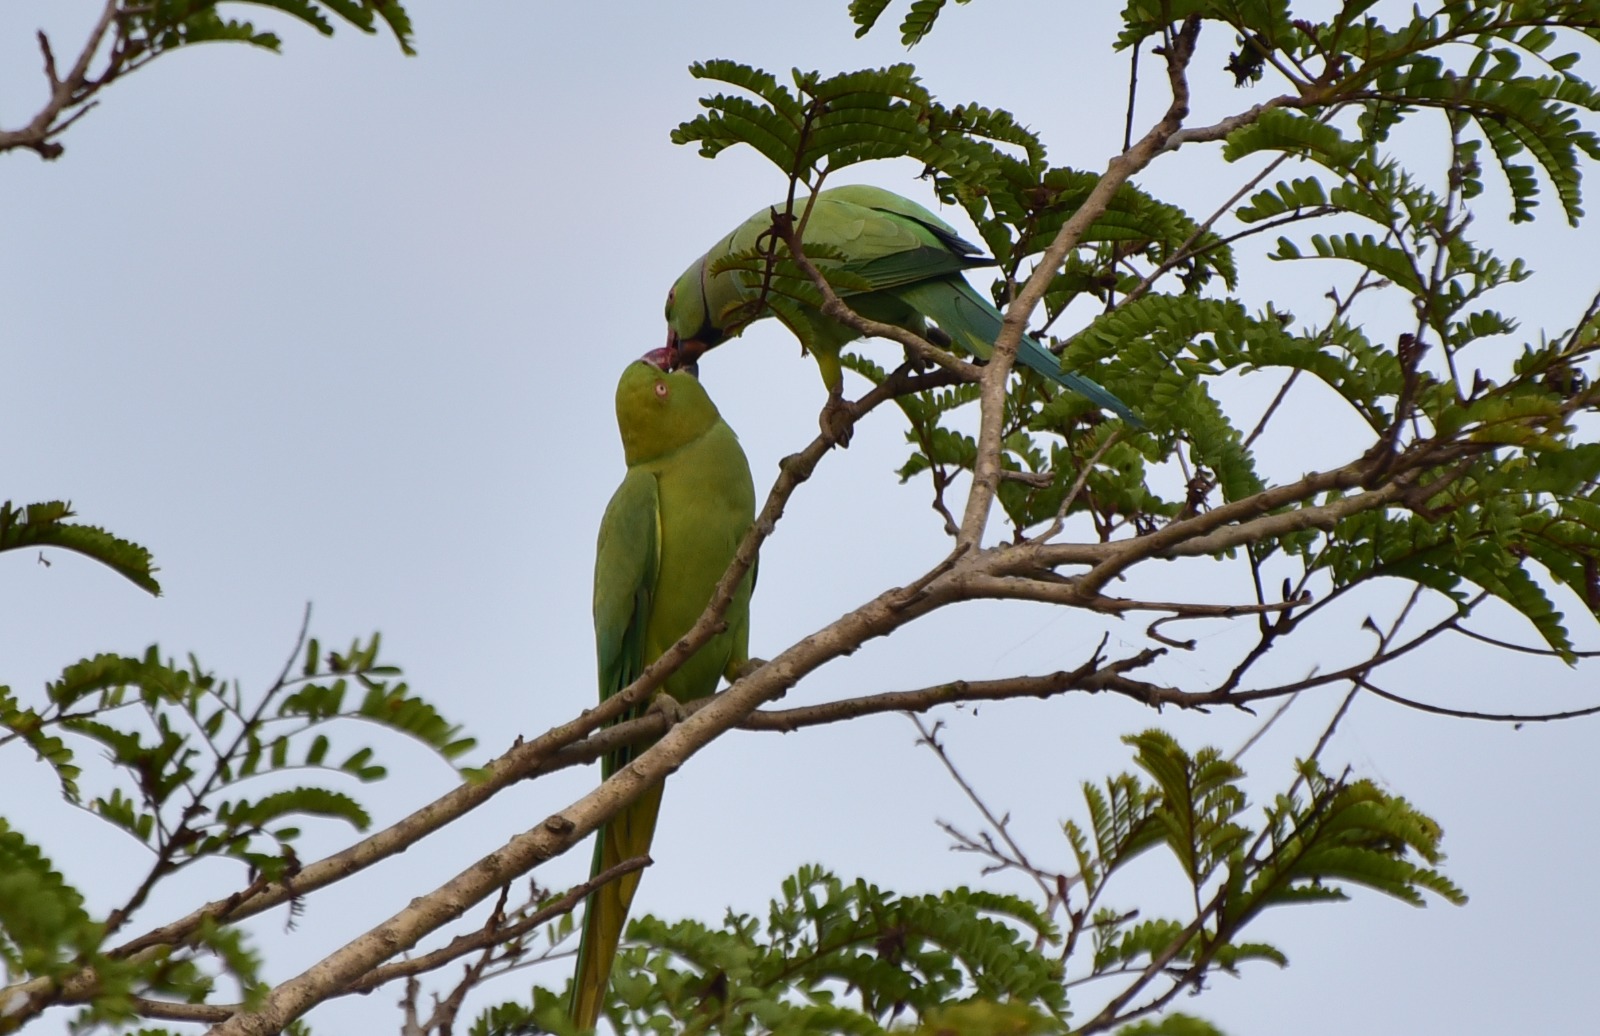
663, 359
678, 354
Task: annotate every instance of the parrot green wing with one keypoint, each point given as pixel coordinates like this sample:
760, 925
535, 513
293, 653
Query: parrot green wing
910, 267
884, 238
927, 276
627, 565
889, 240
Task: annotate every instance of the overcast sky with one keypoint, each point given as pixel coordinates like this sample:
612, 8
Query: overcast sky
343, 327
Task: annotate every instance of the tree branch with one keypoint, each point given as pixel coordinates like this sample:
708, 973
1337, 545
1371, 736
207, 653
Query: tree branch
986, 470
1000, 825
64, 93
426, 913
562, 830
1494, 717
523, 760
490, 935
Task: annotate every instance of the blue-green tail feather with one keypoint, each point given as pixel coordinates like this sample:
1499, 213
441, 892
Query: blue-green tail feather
971, 321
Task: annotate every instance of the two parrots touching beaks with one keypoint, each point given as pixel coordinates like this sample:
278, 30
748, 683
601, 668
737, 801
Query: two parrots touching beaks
673, 525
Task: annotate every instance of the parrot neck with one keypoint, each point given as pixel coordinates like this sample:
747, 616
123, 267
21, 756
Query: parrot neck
660, 441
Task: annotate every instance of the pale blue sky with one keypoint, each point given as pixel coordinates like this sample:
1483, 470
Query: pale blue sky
343, 327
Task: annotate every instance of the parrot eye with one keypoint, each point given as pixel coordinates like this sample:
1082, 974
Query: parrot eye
672, 296
661, 389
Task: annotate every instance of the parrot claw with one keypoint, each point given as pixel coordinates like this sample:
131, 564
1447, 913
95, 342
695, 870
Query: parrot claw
937, 337
835, 421
668, 708
744, 669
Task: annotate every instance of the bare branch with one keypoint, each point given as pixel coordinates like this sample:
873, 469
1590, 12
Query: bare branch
492, 934
1092, 677
1494, 717
428, 912
65, 93
1220, 129
1243, 521
986, 471
521, 761
980, 585
168, 1011
1056, 525
1000, 825
1525, 649
1260, 731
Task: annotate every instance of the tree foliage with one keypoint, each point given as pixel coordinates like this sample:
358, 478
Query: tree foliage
199, 769
1457, 415
46, 525
1472, 478
834, 956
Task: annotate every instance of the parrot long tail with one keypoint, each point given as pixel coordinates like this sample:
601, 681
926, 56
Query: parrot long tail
624, 837
972, 322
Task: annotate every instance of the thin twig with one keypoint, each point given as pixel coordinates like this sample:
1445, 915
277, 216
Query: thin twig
929, 736
1263, 727
1056, 525
985, 473
65, 92
491, 935
1493, 717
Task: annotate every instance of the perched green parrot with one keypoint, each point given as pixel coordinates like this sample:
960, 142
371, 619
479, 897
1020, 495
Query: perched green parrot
669, 533
912, 259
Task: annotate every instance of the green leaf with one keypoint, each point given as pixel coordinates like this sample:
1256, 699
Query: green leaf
1344, 832
46, 525
865, 14
1175, 1024
157, 28
825, 125
43, 924
1386, 261
1200, 800
893, 953
1279, 129
395, 707
30, 726
247, 815
919, 21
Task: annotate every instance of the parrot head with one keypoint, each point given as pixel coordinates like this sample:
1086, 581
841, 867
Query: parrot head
660, 410
690, 330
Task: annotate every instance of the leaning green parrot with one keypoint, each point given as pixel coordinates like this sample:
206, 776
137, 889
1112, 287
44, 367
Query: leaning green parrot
912, 259
668, 535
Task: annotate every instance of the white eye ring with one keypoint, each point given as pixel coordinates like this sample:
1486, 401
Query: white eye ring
661, 389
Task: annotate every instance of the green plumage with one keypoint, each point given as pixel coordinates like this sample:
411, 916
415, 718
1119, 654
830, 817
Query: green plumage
668, 535
912, 261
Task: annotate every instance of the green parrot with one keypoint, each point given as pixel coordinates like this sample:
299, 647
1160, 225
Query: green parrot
668, 535
912, 259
